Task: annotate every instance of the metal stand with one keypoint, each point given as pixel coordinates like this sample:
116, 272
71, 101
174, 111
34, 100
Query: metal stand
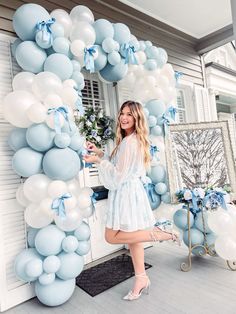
186, 266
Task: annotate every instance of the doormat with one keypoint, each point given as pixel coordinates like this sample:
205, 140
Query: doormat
106, 275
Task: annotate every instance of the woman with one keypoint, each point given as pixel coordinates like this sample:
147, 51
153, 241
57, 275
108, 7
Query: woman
130, 219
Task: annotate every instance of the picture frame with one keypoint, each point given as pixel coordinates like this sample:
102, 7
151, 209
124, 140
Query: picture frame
200, 155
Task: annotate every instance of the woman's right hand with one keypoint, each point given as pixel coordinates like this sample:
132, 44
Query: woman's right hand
91, 147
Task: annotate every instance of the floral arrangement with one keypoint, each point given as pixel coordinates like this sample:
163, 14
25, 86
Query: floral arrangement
95, 126
199, 198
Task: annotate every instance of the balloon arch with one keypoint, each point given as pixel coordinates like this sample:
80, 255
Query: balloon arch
51, 50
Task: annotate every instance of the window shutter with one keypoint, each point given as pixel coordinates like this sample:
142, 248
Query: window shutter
202, 104
124, 93
181, 106
231, 118
12, 225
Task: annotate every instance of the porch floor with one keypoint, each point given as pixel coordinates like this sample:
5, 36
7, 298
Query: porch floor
209, 287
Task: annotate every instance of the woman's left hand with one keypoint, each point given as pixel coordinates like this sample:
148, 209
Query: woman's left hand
91, 159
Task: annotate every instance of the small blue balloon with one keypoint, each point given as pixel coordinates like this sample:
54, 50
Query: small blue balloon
161, 188
82, 233
152, 52
51, 264
101, 60
34, 268
70, 244
76, 65
60, 65
83, 248
150, 65
166, 198
77, 77
20, 262
71, 265
157, 174
62, 140
197, 237
152, 121
52, 247
148, 43
155, 201
17, 139
40, 137
108, 45
61, 164
31, 234
46, 279
181, 219
61, 45
27, 162
121, 33
162, 57
14, 45
103, 29
199, 222
114, 57
56, 293
114, 73
25, 19
156, 107
69, 128
77, 142
43, 42
30, 56
157, 130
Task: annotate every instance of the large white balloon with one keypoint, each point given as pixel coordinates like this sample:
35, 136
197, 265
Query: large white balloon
81, 13
69, 223
35, 218
37, 113
225, 247
63, 18
23, 81
220, 222
21, 198
35, 187
15, 105
57, 188
46, 83
83, 31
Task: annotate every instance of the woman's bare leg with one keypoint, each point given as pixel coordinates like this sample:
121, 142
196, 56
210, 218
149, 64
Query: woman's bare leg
137, 254
119, 237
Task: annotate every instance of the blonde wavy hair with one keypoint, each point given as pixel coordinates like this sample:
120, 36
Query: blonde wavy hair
140, 127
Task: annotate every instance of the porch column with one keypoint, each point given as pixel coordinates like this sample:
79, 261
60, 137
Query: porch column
233, 9
212, 103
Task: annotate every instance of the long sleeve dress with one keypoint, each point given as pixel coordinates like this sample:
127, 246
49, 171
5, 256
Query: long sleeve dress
128, 205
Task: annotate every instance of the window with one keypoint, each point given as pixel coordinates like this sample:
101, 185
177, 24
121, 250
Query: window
181, 106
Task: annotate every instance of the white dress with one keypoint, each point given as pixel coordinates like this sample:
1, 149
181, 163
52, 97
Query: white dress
128, 205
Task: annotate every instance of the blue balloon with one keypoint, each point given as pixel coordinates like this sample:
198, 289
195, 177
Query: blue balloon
103, 29
146, 112
20, 262
46, 279
76, 65
109, 44
150, 65
30, 56
157, 130
78, 77
62, 140
101, 60
51, 264
166, 198
210, 239
71, 265
148, 43
156, 107
52, 247
61, 164
82, 233
114, 57
31, 234
14, 46
61, 45
114, 73
121, 33
162, 57
34, 268
57, 30
155, 201
152, 121
27, 162
25, 19
83, 248
77, 142
152, 52
157, 174
70, 244
181, 219
43, 42
135, 43
161, 188
40, 137
199, 251
142, 45
197, 237
199, 223
56, 293
17, 139
60, 65
69, 128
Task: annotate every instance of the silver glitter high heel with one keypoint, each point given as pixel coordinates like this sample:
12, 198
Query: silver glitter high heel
132, 296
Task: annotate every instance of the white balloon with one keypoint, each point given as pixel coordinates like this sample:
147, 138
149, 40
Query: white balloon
69, 223
225, 247
15, 105
36, 186
69, 83
231, 210
70, 203
81, 13
87, 212
141, 57
220, 222
73, 186
45, 207
77, 47
37, 113
83, 31
84, 200
35, 218
52, 101
69, 96
21, 198
50, 120
57, 188
64, 19
86, 191
23, 81
46, 83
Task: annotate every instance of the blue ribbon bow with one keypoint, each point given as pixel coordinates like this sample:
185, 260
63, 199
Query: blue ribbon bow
89, 58
57, 111
178, 75
79, 103
45, 27
153, 149
58, 205
166, 122
216, 198
172, 112
129, 52
194, 200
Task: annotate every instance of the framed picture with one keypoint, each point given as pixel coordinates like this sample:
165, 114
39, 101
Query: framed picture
200, 155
